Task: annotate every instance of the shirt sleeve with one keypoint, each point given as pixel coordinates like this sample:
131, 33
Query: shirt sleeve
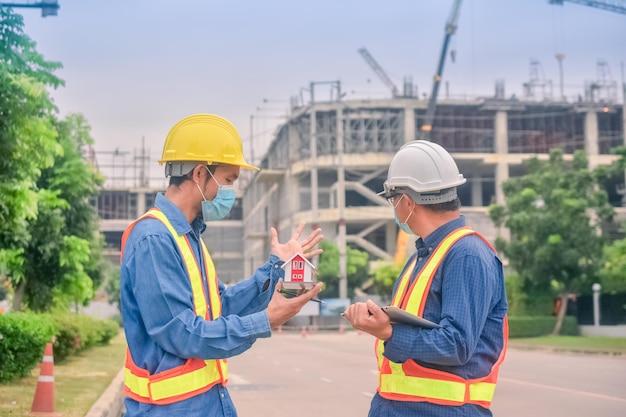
464, 299
253, 294
164, 301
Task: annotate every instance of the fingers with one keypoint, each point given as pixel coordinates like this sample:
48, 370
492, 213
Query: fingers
274, 235
298, 232
312, 254
374, 309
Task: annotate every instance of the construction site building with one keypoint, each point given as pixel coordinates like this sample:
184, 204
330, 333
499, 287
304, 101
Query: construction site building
328, 160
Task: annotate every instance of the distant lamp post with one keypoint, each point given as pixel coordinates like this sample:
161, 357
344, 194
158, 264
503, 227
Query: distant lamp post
596, 303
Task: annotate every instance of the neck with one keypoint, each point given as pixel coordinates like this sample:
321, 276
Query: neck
427, 221
183, 198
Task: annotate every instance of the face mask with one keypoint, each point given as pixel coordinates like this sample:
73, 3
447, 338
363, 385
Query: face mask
220, 206
404, 226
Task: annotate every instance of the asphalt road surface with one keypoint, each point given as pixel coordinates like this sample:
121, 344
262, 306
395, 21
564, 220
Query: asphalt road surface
334, 374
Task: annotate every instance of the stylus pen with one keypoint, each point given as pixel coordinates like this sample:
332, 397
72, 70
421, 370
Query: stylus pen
293, 294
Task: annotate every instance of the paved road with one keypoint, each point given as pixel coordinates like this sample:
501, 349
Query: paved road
332, 374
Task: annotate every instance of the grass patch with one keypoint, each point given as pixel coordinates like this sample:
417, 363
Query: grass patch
78, 382
574, 343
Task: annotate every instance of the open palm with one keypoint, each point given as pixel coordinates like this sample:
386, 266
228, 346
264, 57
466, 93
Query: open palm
307, 247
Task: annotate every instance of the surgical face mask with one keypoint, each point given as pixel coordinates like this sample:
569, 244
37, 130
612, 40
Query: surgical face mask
404, 226
220, 206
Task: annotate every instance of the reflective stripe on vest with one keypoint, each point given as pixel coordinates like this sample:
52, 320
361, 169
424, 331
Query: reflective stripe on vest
409, 381
196, 375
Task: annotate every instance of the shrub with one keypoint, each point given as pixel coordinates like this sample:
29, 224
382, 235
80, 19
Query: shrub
79, 332
23, 338
534, 326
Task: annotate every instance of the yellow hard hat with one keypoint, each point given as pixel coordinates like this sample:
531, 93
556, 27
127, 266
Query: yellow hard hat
207, 138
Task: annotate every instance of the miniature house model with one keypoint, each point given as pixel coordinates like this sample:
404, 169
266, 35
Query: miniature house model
299, 273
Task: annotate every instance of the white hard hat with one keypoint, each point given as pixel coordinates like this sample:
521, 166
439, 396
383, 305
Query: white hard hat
425, 171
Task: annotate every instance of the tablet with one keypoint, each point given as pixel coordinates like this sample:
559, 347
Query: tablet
397, 315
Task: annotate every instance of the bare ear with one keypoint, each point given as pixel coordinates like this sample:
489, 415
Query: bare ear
198, 172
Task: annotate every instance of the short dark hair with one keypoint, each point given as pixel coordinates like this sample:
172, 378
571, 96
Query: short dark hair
452, 205
179, 180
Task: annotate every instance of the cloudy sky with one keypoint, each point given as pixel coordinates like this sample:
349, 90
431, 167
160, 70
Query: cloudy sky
134, 68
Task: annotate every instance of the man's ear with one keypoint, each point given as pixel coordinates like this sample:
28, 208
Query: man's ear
198, 172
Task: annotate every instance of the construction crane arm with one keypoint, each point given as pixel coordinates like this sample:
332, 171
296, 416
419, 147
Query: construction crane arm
451, 26
379, 71
48, 7
617, 6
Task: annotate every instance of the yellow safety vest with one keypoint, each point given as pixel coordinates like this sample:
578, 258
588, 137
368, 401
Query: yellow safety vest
196, 375
410, 381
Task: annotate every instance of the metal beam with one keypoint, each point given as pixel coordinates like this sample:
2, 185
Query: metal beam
617, 6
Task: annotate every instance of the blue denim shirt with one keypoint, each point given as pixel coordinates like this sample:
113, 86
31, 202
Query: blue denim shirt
161, 328
468, 298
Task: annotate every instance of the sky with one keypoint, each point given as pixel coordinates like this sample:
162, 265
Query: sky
134, 68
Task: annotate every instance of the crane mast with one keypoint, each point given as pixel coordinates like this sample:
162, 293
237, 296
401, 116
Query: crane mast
451, 26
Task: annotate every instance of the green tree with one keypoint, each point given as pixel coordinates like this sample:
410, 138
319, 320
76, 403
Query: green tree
385, 276
613, 272
27, 141
64, 262
328, 268
555, 214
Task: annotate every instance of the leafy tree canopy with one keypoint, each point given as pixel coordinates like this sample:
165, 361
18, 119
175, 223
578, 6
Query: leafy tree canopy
50, 249
328, 268
555, 214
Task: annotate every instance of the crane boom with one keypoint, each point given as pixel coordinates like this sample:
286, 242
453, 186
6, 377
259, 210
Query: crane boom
617, 6
48, 7
451, 26
379, 71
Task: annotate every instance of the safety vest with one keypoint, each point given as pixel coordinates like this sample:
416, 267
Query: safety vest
196, 375
410, 381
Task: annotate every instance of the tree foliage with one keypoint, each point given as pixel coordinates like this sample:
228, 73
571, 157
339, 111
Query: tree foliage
613, 272
385, 276
556, 215
50, 249
27, 138
328, 268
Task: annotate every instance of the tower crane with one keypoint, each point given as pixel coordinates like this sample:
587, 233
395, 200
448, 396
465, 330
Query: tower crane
617, 6
48, 7
379, 71
451, 26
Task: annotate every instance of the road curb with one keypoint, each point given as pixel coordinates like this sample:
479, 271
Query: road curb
561, 349
111, 402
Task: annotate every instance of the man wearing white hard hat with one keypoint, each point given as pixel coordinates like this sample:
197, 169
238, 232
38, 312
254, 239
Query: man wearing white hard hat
454, 280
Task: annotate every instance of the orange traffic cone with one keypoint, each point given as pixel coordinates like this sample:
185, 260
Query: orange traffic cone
341, 329
303, 331
43, 403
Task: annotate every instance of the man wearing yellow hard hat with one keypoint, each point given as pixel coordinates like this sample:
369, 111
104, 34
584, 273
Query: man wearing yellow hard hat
181, 323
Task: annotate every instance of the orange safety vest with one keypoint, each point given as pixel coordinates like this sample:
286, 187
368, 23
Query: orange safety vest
410, 381
196, 375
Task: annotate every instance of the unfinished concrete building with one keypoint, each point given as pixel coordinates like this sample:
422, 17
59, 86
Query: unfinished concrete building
328, 161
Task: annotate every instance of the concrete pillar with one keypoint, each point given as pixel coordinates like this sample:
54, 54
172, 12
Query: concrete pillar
501, 149
477, 191
409, 124
313, 158
591, 133
141, 203
596, 303
341, 204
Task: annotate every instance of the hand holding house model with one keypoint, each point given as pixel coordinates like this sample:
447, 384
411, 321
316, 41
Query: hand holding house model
300, 274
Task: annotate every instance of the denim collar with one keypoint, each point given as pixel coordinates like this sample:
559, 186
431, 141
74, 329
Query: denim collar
177, 218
